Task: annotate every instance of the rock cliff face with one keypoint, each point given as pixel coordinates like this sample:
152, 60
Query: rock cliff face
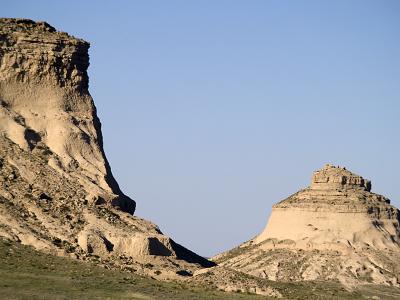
57, 192
334, 229
45, 102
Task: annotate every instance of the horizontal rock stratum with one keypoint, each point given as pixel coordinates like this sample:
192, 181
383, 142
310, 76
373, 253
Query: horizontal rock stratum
57, 192
336, 229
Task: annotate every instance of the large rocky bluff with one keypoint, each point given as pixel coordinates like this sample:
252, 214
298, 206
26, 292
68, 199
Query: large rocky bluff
335, 229
45, 102
57, 192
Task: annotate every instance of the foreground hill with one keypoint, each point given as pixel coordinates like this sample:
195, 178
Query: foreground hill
28, 274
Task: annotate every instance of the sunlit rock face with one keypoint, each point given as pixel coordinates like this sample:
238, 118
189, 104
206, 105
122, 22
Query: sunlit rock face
335, 228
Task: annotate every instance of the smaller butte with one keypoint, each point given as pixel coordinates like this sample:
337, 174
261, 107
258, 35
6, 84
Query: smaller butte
335, 229
338, 210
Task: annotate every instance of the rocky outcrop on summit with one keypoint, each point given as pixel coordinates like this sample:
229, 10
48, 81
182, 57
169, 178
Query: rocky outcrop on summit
57, 192
331, 177
336, 229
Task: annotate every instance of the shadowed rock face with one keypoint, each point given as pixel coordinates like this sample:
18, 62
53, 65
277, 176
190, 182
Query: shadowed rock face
45, 101
334, 229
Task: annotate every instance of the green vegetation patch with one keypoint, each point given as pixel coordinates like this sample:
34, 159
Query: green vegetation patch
28, 274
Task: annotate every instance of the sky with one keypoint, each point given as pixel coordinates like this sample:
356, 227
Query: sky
212, 111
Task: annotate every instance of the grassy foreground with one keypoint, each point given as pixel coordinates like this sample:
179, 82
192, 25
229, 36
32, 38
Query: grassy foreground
28, 274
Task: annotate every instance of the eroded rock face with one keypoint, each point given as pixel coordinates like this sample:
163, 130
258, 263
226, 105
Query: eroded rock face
45, 102
57, 192
331, 178
334, 229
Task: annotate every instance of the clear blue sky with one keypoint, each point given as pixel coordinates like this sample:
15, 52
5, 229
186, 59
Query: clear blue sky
214, 110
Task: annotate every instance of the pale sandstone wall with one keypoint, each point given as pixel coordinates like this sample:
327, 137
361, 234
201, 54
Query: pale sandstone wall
321, 229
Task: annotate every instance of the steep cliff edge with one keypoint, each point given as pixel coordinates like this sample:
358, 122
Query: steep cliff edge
57, 192
335, 229
45, 102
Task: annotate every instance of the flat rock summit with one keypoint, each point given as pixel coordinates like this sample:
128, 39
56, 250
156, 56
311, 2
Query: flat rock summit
335, 229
